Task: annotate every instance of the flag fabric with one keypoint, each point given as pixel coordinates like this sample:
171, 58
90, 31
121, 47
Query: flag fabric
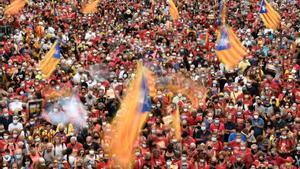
151, 82
52, 58
91, 7
129, 120
173, 10
269, 16
51, 93
229, 49
39, 31
15, 7
207, 39
222, 12
176, 123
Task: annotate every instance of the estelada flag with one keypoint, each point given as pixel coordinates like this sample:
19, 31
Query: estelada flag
52, 58
269, 16
229, 49
222, 12
130, 119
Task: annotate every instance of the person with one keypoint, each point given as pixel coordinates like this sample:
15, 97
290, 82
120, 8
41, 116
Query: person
74, 144
48, 154
258, 124
58, 148
201, 134
15, 124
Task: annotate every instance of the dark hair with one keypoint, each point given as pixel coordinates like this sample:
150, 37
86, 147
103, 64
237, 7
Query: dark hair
68, 151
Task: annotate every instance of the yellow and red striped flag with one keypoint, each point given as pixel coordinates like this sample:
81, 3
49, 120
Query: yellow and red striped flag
229, 49
15, 7
269, 16
130, 119
173, 10
52, 58
91, 7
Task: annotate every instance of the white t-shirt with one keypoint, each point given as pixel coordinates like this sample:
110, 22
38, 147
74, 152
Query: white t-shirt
71, 160
12, 126
58, 150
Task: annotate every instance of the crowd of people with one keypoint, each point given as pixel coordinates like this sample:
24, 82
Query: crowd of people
249, 119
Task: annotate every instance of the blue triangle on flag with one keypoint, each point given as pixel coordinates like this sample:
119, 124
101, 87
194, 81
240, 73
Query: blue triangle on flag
224, 40
263, 8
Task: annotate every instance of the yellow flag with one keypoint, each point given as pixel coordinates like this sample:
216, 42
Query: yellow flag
229, 49
15, 7
129, 120
91, 7
52, 58
269, 16
173, 10
176, 124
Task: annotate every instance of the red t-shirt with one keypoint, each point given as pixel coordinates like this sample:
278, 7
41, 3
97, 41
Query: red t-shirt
77, 146
219, 128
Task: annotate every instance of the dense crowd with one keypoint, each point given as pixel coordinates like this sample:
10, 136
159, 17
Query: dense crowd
250, 117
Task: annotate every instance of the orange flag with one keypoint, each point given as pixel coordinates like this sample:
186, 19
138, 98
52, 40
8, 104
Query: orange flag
15, 7
173, 10
91, 7
130, 119
176, 124
207, 39
51, 59
229, 49
270, 17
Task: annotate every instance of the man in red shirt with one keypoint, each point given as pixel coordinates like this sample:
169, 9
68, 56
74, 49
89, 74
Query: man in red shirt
217, 126
74, 144
139, 160
157, 159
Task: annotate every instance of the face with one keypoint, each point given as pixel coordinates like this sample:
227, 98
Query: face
73, 141
14, 166
49, 148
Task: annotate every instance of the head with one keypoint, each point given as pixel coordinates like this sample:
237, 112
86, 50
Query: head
217, 121
49, 147
18, 154
57, 140
15, 119
255, 115
73, 140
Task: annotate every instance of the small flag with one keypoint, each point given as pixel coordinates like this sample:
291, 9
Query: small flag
173, 10
176, 124
269, 16
15, 7
222, 12
52, 58
91, 7
130, 119
229, 49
